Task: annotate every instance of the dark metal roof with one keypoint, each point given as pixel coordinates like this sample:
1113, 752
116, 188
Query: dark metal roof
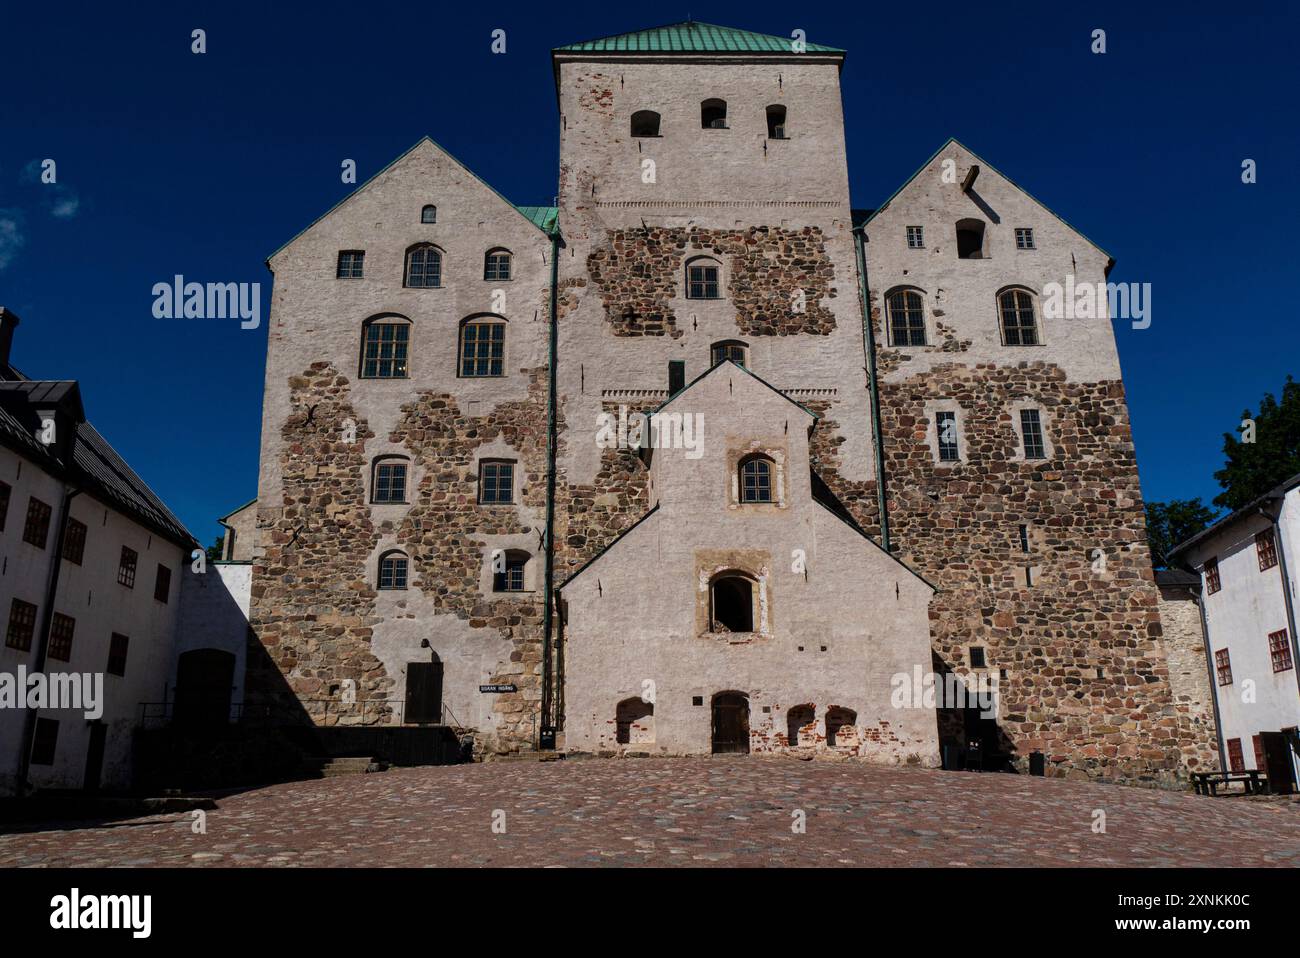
1176, 578
94, 465
1281, 489
691, 37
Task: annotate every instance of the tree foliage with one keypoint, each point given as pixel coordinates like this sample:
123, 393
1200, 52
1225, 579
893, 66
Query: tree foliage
1172, 523
1252, 468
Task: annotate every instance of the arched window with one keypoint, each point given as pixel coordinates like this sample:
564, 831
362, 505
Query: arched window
429, 214
496, 265
392, 570
906, 318
796, 718
388, 480
776, 122
634, 722
703, 276
509, 576
385, 347
645, 123
1019, 324
713, 114
483, 346
423, 267
729, 349
756, 479
970, 239
731, 603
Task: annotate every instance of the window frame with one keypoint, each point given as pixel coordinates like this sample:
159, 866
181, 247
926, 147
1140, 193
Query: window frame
728, 345
514, 578
22, 617
1223, 667
494, 482
940, 446
37, 523
905, 293
1027, 234
382, 321
429, 249
1040, 439
432, 210
704, 262
356, 264
712, 103
496, 253
919, 237
126, 570
496, 343
1279, 651
377, 482
769, 467
394, 559
1017, 311
74, 541
1266, 549
1236, 758
117, 654
770, 113
1213, 579
63, 629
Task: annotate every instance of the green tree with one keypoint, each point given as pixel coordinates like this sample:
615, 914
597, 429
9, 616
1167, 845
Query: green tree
1263, 457
1174, 522
216, 549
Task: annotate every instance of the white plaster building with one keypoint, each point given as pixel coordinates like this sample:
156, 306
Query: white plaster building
1247, 563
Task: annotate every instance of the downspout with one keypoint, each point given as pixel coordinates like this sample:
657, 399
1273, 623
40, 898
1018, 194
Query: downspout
547, 722
43, 640
869, 347
1209, 669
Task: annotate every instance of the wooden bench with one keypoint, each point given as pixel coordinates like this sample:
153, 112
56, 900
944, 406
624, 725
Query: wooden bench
1207, 783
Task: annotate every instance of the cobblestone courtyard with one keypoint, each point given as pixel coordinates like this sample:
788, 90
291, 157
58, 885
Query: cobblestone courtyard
734, 811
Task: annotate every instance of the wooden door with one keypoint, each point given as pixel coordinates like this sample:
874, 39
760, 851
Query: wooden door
423, 693
730, 723
1277, 762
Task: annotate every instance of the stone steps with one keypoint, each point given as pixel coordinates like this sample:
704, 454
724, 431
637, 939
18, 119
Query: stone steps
344, 765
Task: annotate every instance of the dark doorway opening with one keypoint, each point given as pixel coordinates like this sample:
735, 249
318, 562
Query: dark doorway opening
732, 598
836, 719
730, 723
95, 755
795, 719
423, 693
205, 679
970, 239
1278, 762
628, 713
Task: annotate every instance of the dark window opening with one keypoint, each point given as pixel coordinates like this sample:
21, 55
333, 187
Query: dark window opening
511, 578
732, 600
117, 648
74, 542
496, 265
424, 268
37, 528
978, 660
946, 426
483, 349
916, 237
1223, 667
776, 122
676, 376
797, 718
429, 214
45, 741
1031, 429
22, 625
126, 567
390, 482
702, 280
162, 585
970, 239
1212, 581
351, 264
645, 123
713, 114
62, 629
730, 350
836, 719
629, 713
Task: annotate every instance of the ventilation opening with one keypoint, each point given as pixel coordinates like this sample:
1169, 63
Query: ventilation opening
645, 123
713, 114
776, 122
970, 239
733, 605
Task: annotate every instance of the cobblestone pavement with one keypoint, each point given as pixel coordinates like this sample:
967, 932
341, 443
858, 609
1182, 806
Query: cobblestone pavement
732, 811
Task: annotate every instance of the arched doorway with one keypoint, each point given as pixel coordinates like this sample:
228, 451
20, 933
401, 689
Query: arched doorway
205, 679
730, 723
796, 718
731, 603
840, 718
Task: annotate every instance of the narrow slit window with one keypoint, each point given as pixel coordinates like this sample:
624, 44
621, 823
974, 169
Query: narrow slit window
1031, 431
945, 423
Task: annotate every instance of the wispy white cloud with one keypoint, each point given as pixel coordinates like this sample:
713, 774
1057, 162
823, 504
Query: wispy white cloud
11, 235
65, 203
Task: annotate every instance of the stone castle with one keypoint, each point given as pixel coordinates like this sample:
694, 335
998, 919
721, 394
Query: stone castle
871, 455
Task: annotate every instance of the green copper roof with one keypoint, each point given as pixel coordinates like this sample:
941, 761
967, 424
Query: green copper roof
543, 217
691, 37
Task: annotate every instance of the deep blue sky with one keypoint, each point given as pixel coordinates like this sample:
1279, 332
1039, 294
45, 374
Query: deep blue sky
170, 162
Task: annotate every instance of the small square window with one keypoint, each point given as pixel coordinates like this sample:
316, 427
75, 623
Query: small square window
74, 542
697, 699
61, 631
37, 528
117, 646
496, 483
916, 237
162, 585
1024, 237
126, 567
512, 579
350, 264
22, 625
703, 281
